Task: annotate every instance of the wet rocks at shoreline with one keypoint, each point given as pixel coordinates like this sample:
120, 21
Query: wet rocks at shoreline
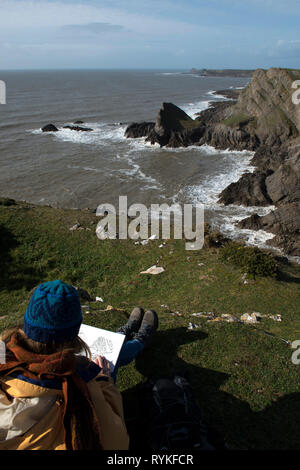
249, 190
275, 182
49, 128
260, 118
136, 130
284, 222
78, 128
53, 128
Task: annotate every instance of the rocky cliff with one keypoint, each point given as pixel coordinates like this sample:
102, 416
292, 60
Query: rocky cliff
263, 119
267, 101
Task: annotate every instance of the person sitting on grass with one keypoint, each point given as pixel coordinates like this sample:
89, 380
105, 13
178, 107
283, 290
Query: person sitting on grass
52, 397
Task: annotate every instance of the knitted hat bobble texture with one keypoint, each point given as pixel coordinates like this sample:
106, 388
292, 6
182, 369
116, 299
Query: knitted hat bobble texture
53, 313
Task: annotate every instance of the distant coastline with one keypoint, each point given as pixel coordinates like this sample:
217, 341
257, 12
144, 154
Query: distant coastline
238, 73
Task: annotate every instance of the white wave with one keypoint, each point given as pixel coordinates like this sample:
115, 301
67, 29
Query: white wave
102, 134
85, 168
170, 73
209, 149
226, 217
227, 225
150, 187
257, 238
180, 73
208, 191
191, 109
138, 144
134, 171
220, 97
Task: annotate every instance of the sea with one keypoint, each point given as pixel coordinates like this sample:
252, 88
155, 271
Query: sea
70, 169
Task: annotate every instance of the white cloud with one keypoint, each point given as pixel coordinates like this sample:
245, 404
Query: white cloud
37, 14
59, 27
288, 43
93, 28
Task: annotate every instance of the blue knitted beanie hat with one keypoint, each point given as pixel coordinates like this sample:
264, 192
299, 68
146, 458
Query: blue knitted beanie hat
53, 314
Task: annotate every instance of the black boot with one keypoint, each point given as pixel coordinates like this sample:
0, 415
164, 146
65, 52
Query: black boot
148, 327
133, 324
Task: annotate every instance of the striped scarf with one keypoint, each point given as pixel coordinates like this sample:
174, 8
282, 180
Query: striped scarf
81, 425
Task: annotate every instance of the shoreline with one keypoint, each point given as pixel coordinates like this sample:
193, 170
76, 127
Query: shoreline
225, 98
232, 124
274, 249
229, 96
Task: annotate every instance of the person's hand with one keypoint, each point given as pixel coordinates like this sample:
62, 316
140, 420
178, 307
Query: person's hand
104, 364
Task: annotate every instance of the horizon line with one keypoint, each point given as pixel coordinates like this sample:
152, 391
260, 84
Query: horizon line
124, 68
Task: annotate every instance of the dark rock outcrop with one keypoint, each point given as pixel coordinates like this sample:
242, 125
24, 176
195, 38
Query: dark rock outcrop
249, 190
136, 130
171, 118
49, 128
78, 128
53, 128
174, 139
172, 128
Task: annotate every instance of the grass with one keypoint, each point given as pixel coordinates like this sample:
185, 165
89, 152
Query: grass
239, 120
243, 379
190, 124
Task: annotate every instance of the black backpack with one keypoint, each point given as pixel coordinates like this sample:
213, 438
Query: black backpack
172, 419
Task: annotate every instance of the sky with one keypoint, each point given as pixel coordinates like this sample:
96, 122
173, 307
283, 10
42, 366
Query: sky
149, 34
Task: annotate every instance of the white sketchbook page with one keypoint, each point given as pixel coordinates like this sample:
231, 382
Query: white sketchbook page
102, 343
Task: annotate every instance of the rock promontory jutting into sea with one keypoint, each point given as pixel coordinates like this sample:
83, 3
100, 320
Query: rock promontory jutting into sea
222, 72
264, 119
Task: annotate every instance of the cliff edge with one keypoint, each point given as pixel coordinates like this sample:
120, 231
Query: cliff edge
264, 118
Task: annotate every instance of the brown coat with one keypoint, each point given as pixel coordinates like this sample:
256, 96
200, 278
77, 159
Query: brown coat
31, 414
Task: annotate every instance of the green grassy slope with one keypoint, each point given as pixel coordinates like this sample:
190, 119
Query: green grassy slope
243, 379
